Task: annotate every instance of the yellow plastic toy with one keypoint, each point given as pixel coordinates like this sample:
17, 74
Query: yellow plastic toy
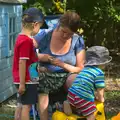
100, 114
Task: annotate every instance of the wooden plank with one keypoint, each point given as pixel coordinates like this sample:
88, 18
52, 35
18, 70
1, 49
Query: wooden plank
3, 53
1, 21
18, 27
19, 20
5, 74
2, 30
2, 41
7, 93
5, 63
6, 83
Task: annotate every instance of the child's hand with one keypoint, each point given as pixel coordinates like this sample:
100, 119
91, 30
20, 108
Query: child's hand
99, 95
100, 99
21, 89
42, 69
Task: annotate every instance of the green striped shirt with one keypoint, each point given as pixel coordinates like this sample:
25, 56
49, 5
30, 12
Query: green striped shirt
87, 81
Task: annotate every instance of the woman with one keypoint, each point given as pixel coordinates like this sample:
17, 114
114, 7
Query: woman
67, 49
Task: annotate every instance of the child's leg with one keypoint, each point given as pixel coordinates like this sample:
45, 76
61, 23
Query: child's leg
91, 117
69, 104
27, 99
67, 108
86, 108
25, 112
18, 111
17, 115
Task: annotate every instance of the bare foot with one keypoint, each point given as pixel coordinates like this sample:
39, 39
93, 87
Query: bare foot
67, 108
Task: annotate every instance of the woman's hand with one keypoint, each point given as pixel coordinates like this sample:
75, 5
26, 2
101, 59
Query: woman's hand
56, 62
43, 57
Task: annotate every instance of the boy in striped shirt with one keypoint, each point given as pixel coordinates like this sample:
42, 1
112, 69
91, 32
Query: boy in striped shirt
81, 95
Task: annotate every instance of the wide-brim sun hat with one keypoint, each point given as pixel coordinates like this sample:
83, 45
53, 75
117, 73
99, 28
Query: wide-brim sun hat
97, 55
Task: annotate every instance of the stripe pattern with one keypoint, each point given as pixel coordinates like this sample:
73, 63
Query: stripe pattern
82, 106
87, 81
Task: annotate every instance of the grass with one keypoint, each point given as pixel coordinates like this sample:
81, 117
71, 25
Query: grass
112, 104
112, 107
112, 95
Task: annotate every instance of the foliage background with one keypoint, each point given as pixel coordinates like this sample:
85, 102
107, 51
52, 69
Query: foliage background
100, 18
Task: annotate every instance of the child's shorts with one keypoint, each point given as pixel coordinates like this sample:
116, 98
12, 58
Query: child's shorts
30, 96
82, 106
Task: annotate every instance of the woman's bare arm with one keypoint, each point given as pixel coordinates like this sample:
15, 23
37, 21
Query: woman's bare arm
80, 59
41, 57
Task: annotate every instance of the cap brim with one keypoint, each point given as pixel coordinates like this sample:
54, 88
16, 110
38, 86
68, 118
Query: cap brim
109, 58
44, 26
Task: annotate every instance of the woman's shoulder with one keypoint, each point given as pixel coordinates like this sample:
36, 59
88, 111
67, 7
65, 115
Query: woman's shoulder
78, 42
77, 38
42, 34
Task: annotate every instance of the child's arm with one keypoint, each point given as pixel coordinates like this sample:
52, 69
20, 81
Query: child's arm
22, 73
100, 94
43, 57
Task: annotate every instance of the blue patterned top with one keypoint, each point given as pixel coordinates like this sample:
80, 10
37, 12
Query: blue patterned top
44, 38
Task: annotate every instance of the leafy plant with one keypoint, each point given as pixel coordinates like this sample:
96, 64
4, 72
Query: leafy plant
100, 18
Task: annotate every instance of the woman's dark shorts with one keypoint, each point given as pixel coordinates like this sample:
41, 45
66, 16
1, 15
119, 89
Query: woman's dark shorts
30, 96
51, 82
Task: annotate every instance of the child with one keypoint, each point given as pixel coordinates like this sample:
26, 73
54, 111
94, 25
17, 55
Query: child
24, 56
81, 95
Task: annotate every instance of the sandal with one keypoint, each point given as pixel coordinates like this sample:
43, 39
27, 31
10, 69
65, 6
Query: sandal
57, 106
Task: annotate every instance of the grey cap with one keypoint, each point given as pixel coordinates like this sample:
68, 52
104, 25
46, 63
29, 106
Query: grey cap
97, 55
